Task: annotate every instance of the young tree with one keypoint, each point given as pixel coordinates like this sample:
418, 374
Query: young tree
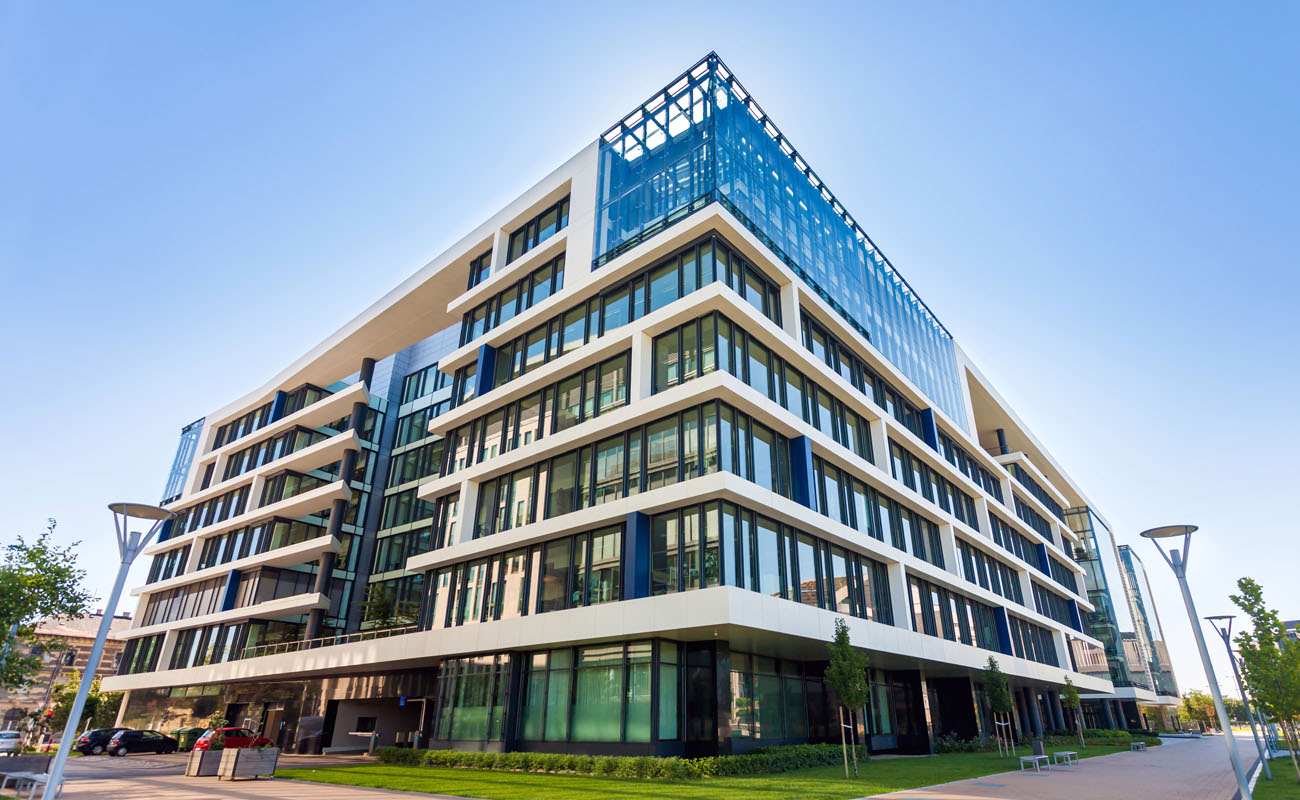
999, 694
38, 580
1070, 699
1270, 664
847, 675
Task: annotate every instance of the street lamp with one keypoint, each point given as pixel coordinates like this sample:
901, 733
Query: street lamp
1177, 561
129, 545
1223, 625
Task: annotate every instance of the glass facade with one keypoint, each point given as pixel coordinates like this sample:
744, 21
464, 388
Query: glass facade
1150, 635
703, 138
1111, 617
185, 452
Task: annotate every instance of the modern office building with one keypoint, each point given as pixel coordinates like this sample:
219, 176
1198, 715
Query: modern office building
602, 476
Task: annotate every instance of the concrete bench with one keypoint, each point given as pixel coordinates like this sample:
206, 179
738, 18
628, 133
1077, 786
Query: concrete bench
1037, 761
1137, 745
1065, 756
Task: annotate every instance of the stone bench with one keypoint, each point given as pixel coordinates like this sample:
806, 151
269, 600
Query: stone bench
1065, 756
1037, 761
1137, 745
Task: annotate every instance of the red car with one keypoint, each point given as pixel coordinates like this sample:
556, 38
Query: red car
235, 738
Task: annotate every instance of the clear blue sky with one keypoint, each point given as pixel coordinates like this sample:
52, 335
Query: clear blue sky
1099, 200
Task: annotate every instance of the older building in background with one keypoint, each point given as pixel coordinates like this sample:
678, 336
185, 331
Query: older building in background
602, 476
66, 649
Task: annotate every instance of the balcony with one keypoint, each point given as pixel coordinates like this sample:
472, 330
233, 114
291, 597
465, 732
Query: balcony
275, 648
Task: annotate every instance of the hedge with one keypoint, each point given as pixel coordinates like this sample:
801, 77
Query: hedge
763, 760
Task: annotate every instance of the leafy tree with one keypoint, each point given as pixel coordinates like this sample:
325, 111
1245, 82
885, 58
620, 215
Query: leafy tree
847, 675
1270, 664
1199, 707
38, 580
101, 707
1070, 699
999, 694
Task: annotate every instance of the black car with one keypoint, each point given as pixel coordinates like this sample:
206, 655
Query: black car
94, 742
124, 742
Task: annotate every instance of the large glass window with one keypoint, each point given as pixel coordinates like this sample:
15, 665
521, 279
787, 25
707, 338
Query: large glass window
471, 698
571, 401
549, 222
653, 286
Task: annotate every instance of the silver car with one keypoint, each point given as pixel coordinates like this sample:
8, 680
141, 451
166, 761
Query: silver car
11, 743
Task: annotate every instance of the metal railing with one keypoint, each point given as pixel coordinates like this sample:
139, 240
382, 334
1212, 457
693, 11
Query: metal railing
275, 648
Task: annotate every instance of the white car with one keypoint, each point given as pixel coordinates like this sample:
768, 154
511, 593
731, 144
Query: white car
11, 742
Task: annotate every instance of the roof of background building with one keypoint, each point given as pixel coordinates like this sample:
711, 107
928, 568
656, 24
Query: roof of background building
83, 628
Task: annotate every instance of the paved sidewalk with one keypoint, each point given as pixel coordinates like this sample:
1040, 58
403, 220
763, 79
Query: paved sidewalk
152, 777
1186, 769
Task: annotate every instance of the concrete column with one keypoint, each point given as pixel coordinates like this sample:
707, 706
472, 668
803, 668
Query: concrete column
468, 510
898, 597
641, 370
1106, 716
1058, 711
790, 310
1035, 713
879, 444
925, 707
982, 516
948, 540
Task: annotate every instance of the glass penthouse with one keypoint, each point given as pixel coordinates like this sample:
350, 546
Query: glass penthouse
602, 476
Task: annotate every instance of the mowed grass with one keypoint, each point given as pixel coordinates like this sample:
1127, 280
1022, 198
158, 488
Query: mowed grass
1283, 786
877, 776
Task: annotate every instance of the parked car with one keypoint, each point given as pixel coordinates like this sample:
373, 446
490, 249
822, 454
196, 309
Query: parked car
235, 738
94, 742
11, 743
125, 741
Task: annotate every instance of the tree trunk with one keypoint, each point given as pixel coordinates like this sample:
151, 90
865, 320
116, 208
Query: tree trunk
842, 745
1291, 745
853, 740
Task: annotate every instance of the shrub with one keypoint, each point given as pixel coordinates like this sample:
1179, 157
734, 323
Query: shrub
952, 743
759, 761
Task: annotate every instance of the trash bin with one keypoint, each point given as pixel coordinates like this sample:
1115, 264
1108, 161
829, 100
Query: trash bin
186, 737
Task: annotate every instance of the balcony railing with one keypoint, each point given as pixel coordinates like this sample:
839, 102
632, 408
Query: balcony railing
275, 648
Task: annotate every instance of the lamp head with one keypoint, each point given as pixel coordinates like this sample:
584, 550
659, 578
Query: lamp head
1167, 531
140, 511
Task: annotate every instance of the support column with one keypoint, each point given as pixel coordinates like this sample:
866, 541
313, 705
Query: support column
1058, 711
925, 708
641, 370
899, 603
879, 444
1035, 713
948, 541
1106, 715
790, 310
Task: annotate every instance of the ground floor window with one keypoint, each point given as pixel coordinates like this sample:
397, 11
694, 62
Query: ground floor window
472, 698
603, 693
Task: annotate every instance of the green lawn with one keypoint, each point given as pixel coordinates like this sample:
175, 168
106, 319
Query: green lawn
821, 783
1282, 787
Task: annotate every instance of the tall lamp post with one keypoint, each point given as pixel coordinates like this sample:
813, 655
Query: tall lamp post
1177, 561
129, 545
1223, 625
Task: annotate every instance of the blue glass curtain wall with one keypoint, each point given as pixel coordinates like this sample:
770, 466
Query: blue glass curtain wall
703, 138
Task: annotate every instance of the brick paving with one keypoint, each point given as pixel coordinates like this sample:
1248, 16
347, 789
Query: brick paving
1186, 769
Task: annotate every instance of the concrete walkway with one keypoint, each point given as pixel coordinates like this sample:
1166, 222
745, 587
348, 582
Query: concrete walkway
1187, 769
153, 777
